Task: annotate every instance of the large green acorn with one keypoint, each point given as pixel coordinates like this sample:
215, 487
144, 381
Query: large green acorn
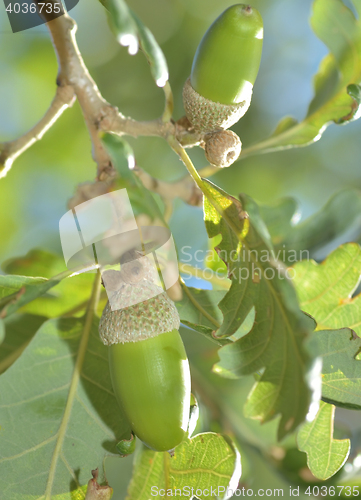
148, 364
225, 66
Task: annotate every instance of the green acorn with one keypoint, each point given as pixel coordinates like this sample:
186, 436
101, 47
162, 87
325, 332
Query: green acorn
148, 364
225, 66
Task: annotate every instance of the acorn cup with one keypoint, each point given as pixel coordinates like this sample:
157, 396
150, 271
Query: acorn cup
225, 66
222, 148
148, 364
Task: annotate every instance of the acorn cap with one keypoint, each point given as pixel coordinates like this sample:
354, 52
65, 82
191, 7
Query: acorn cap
207, 115
222, 148
146, 319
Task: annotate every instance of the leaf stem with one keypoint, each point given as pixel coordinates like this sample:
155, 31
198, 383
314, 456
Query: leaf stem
92, 305
203, 186
69, 273
169, 103
200, 308
177, 148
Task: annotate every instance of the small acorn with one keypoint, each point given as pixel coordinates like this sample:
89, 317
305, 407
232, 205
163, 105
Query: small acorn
148, 364
225, 66
222, 148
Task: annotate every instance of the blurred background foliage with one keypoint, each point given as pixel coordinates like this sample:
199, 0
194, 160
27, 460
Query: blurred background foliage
34, 194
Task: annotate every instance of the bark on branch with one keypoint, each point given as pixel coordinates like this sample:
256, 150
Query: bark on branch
74, 80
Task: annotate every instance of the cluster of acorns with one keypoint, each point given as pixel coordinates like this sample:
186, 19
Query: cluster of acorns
219, 90
148, 363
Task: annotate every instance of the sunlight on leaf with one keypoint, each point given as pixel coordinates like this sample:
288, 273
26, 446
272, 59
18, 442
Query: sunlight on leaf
122, 24
276, 341
325, 455
201, 462
325, 290
131, 32
43, 299
153, 53
337, 95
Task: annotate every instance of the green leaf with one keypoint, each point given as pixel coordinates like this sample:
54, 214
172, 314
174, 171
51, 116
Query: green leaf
336, 97
266, 476
231, 397
199, 310
122, 24
355, 92
325, 290
130, 31
126, 447
2, 331
70, 293
122, 155
10, 286
205, 461
286, 123
36, 262
325, 455
153, 53
43, 299
26, 290
19, 329
275, 343
58, 413
280, 220
295, 241
212, 259
341, 371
